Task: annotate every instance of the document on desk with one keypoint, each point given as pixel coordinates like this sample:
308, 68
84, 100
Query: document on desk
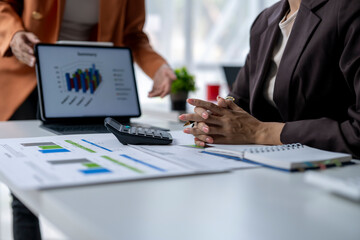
189, 156
69, 160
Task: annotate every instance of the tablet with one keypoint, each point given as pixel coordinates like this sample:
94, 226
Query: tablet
85, 83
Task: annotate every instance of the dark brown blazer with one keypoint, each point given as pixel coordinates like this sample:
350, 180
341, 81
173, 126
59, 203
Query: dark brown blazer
317, 88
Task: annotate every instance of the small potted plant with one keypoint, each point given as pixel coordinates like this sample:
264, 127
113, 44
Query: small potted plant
180, 88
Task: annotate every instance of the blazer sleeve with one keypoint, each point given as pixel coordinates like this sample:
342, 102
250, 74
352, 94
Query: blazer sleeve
137, 40
326, 133
240, 89
10, 23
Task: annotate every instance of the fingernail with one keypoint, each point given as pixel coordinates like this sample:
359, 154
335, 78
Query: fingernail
206, 129
202, 144
191, 101
187, 130
182, 117
209, 140
204, 115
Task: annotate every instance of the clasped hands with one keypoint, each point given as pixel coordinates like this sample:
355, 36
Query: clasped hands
227, 123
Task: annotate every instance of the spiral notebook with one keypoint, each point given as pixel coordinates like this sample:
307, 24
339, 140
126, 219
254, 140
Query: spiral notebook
288, 157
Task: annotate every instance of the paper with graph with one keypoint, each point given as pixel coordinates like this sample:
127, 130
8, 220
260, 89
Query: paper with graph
57, 161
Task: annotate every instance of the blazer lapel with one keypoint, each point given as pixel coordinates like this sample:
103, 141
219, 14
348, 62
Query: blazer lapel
267, 41
305, 24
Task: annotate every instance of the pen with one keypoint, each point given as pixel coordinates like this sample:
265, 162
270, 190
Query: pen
188, 123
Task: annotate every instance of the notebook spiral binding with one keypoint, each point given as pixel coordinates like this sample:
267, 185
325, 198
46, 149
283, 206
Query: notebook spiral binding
275, 148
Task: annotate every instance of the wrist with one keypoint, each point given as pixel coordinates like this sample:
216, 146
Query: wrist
268, 133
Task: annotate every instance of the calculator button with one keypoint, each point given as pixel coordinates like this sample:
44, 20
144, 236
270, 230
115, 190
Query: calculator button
133, 130
140, 131
149, 132
165, 135
157, 134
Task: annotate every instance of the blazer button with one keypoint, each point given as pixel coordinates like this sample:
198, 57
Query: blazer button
36, 15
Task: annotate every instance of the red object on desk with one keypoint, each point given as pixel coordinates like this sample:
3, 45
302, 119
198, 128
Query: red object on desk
212, 91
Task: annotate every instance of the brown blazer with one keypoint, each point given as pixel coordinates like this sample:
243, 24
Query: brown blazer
120, 22
317, 89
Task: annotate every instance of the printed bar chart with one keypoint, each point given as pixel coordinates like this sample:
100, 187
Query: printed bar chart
46, 147
134, 169
143, 163
80, 146
90, 167
84, 80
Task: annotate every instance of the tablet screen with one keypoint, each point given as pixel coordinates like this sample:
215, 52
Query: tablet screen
83, 81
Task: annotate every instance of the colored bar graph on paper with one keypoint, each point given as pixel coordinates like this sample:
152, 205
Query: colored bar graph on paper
84, 80
80, 146
50, 147
93, 168
122, 164
46, 147
69, 161
90, 167
95, 171
96, 145
61, 150
143, 163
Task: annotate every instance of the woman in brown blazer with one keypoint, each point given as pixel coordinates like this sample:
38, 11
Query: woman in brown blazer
314, 97
24, 23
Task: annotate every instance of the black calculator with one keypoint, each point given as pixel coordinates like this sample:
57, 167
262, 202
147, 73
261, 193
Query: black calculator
137, 135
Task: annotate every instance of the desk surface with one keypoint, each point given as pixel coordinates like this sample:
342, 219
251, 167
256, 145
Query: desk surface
245, 204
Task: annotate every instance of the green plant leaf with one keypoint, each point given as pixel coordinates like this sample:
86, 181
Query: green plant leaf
184, 82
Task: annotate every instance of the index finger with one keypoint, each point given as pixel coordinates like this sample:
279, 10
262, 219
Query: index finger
207, 105
166, 87
26, 48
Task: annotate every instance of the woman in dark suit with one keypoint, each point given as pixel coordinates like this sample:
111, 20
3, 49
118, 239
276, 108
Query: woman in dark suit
300, 82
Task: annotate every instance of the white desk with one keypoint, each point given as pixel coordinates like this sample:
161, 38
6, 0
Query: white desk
246, 204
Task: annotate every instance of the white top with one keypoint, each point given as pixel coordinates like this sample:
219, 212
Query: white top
80, 16
285, 27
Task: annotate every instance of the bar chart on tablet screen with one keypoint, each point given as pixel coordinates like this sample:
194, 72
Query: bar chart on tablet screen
81, 82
